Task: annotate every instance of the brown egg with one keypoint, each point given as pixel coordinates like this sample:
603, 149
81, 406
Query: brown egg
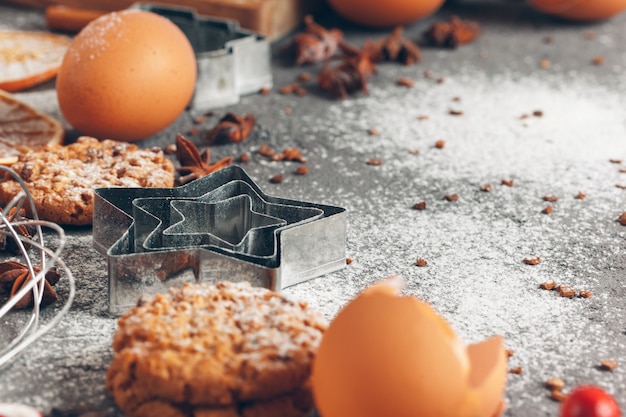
377, 13
126, 76
387, 355
582, 10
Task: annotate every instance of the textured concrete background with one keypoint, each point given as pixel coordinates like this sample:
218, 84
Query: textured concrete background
475, 246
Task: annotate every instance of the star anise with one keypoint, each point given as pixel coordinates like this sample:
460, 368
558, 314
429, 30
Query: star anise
351, 74
453, 33
194, 165
316, 43
14, 276
232, 127
8, 243
397, 48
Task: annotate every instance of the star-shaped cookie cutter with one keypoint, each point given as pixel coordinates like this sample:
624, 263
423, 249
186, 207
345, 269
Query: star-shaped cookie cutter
154, 240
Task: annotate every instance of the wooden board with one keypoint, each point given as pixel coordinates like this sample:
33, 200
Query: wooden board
272, 18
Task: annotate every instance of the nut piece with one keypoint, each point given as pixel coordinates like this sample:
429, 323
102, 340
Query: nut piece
555, 384
550, 198
557, 395
277, 179
517, 370
421, 262
508, 183
420, 205
440, 144
565, 291
622, 219
608, 364
532, 261
581, 195
584, 294
486, 188
374, 161
451, 197
548, 209
550, 285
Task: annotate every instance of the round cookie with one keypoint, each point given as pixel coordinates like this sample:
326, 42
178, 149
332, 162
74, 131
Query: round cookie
61, 179
227, 349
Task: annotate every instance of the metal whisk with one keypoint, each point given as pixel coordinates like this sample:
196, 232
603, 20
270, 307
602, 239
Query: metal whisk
34, 326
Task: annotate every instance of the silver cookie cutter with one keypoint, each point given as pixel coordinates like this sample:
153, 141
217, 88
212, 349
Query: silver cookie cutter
232, 61
154, 240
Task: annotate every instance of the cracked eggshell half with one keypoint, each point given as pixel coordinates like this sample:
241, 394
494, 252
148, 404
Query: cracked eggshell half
389, 355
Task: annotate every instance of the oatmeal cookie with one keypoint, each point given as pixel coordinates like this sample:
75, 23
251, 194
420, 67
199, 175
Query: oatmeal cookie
227, 350
61, 179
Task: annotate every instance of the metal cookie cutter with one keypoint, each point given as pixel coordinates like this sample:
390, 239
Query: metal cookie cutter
231, 61
219, 227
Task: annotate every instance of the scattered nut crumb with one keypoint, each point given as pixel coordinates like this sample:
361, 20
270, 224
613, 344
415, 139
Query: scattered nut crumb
414, 151
517, 370
170, 149
545, 64
455, 112
420, 205
304, 76
622, 219
508, 183
622, 171
548, 285
199, 120
509, 352
348, 261
288, 89
615, 161
288, 110
300, 91
429, 74
608, 364
581, 196
441, 80
405, 82
538, 113
374, 161
456, 99
565, 291
451, 197
194, 131
548, 39
548, 209
532, 261
486, 188
440, 144
590, 35
422, 117
277, 179
550, 198
597, 60
555, 383
584, 294
293, 154
301, 170
264, 91
620, 186
421, 262
244, 157
524, 116
372, 132
558, 395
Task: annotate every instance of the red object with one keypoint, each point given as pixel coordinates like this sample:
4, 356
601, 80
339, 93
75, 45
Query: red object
590, 401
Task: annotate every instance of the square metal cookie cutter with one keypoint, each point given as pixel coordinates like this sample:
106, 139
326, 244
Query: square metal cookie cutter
219, 227
231, 61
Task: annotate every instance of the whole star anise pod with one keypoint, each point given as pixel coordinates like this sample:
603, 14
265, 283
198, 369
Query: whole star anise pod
232, 127
8, 243
452, 34
316, 43
397, 48
351, 74
14, 276
194, 165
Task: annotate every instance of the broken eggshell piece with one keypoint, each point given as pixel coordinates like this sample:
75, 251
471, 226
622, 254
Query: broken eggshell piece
389, 355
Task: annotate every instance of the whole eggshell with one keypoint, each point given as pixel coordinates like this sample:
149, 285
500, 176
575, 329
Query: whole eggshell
126, 76
377, 13
387, 355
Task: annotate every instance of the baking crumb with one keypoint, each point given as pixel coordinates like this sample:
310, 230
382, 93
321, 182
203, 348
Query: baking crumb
301, 170
372, 132
454, 112
288, 110
548, 39
441, 80
508, 183
545, 64
244, 157
421, 262
194, 131
277, 179
440, 144
374, 161
264, 91
348, 261
532, 261
288, 89
550, 198
451, 197
548, 209
565, 291
405, 82
300, 91
524, 116
597, 60
199, 120
304, 76
422, 117
555, 383
548, 285
509, 352
584, 293
615, 161
170, 149
538, 113
558, 395
608, 364
581, 196
517, 370
486, 188
622, 219
414, 151
420, 205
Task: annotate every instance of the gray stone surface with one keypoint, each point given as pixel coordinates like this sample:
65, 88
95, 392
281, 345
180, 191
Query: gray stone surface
475, 246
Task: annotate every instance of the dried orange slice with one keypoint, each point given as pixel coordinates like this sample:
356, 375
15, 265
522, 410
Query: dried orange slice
22, 129
29, 58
